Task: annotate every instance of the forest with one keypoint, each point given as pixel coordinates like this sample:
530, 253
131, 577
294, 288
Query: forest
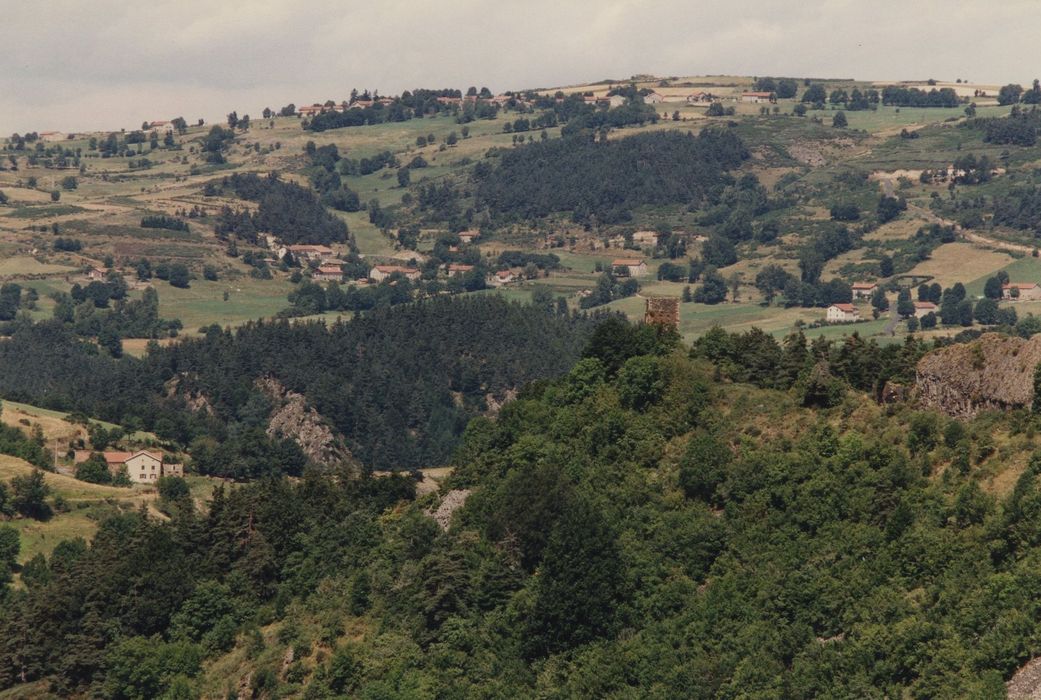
657, 521
400, 384
291, 212
605, 181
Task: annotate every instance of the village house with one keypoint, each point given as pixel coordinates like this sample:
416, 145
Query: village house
757, 97
161, 126
924, 308
469, 236
458, 269
51, 136
450, 100
97, 274
310, 110
842, 313
698, 97
142, 467
328, 273
306, 252
633, 267
653, 98
382, 272
646, 238
864, 290
611, 101
503, 277
1025, 291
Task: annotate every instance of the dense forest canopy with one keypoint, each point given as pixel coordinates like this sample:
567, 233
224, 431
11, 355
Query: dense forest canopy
636, 527
605, 181
291, 212
399, 384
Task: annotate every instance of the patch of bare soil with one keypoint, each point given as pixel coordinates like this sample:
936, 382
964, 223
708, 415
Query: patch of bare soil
808, 154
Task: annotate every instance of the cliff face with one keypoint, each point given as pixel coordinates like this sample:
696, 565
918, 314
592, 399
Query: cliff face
292, 417
994, 372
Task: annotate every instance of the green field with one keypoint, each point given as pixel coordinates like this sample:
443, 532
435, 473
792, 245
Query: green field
25, 265
1025, 269
203, 303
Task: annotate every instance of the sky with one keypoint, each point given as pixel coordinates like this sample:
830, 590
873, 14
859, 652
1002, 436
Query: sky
70, 65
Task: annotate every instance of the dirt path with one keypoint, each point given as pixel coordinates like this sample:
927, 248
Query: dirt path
894, 319
993, 243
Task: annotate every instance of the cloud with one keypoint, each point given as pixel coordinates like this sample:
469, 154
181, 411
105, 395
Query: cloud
108, 64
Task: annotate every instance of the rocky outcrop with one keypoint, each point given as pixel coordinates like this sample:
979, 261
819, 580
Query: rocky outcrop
1025, 684
994, 372
293, 418
183, 384
495, 404
453, 501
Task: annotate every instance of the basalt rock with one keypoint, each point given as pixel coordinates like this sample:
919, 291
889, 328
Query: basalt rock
993, 372
292, 417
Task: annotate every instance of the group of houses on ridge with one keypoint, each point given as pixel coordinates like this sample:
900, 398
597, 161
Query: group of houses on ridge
142, 466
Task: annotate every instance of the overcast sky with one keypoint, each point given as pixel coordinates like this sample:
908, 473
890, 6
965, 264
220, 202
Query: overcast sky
72, 65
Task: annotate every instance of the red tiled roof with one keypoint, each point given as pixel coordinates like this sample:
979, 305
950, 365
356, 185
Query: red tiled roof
626, 262
924, 305
845, 307
1019, 285
864, 285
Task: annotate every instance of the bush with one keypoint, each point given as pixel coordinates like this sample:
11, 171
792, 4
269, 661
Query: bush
845, 212
703, 467
640, 382
178, 276
94, 470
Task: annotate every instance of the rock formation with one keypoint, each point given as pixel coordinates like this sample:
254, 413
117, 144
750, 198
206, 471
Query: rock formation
993, 372
293, 418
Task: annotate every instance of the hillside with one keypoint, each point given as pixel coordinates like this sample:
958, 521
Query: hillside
397, 385
643, 507
433, 451
415, 172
